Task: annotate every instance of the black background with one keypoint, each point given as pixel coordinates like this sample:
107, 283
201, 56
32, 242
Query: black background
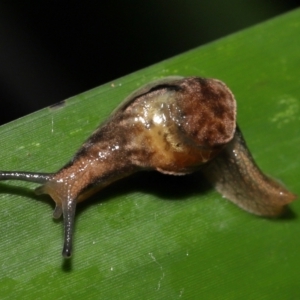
51, 50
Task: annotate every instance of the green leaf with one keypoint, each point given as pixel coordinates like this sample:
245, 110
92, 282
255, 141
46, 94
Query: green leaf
153, 236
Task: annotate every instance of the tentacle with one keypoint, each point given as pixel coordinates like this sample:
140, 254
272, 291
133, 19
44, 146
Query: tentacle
25, 176
57, 211
69, 208
66, 206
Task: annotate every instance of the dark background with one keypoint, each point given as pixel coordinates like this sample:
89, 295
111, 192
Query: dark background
51, 50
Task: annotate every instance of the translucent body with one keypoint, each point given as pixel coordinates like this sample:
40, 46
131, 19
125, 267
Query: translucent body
175, 126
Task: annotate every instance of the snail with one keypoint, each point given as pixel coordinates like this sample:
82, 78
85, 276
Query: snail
176, 126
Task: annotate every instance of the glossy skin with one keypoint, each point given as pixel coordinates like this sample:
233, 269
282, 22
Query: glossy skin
176, 126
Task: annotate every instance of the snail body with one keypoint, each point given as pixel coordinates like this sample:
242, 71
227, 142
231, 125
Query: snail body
176, 126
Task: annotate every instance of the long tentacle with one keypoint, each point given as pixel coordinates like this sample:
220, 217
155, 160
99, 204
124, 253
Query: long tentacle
69, 208
25, 176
